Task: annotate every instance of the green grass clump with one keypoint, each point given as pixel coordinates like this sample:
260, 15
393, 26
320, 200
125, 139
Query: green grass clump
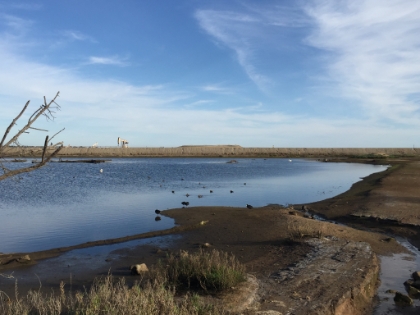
210, 271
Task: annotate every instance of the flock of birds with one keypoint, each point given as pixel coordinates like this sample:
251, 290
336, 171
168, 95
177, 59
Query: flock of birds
186, 203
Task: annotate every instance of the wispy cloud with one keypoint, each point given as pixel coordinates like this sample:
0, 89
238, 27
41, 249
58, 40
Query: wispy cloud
373, 53
252, 30
65, 38
212, 88
76, 35
235, 30
198, 103
216, 88
14, 24
279, 14
113, 61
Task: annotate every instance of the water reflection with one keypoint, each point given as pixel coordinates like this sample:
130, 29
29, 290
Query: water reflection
395, 270
66, 204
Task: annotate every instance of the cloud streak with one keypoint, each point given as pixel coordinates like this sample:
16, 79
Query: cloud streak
112, 61
16, 25
235, 31
251, 31
76, 35
373, 53
219, 88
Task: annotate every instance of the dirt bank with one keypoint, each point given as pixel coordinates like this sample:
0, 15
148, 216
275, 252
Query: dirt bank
387, 202
293, 275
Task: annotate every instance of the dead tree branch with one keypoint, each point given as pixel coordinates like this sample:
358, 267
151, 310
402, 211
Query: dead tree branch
12, 124
47, 110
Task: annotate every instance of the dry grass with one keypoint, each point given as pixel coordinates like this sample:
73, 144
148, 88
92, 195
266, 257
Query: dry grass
211, 271
301, 230
107, 296
220, 150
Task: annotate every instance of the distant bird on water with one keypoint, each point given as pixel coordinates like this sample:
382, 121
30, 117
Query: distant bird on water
187, 195
157, 211
185, 203
231, 191
173, 191
211, 191
101, 170
249, 206
158, 218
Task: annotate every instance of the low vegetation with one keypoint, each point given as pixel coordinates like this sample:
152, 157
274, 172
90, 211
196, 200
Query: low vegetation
222, 151
298, 231
209, 271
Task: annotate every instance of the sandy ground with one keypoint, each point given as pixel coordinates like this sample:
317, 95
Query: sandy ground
297, 262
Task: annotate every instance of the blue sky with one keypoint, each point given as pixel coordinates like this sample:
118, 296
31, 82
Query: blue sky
321, 73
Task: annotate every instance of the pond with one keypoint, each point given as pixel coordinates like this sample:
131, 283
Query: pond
66, 204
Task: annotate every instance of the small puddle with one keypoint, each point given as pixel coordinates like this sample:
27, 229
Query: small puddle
395, 270
76, 262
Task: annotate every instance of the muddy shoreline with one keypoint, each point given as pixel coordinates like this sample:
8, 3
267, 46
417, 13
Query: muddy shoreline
260, 238
387, 202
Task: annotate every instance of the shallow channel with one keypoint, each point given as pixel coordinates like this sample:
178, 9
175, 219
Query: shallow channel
395, 270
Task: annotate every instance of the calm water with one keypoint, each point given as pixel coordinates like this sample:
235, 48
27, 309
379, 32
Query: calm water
65, 204
395, 270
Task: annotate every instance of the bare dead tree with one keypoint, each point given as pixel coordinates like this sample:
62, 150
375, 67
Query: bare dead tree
46, 110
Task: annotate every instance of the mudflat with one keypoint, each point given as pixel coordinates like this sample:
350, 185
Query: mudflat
387, 202
295, 262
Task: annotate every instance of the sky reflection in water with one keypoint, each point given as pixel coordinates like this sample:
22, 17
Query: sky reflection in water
65, 204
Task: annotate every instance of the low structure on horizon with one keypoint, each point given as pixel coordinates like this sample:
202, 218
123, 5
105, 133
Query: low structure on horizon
124, 143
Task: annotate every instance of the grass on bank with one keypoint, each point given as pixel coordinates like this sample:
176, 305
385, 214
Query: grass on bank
298, 231
210, 271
